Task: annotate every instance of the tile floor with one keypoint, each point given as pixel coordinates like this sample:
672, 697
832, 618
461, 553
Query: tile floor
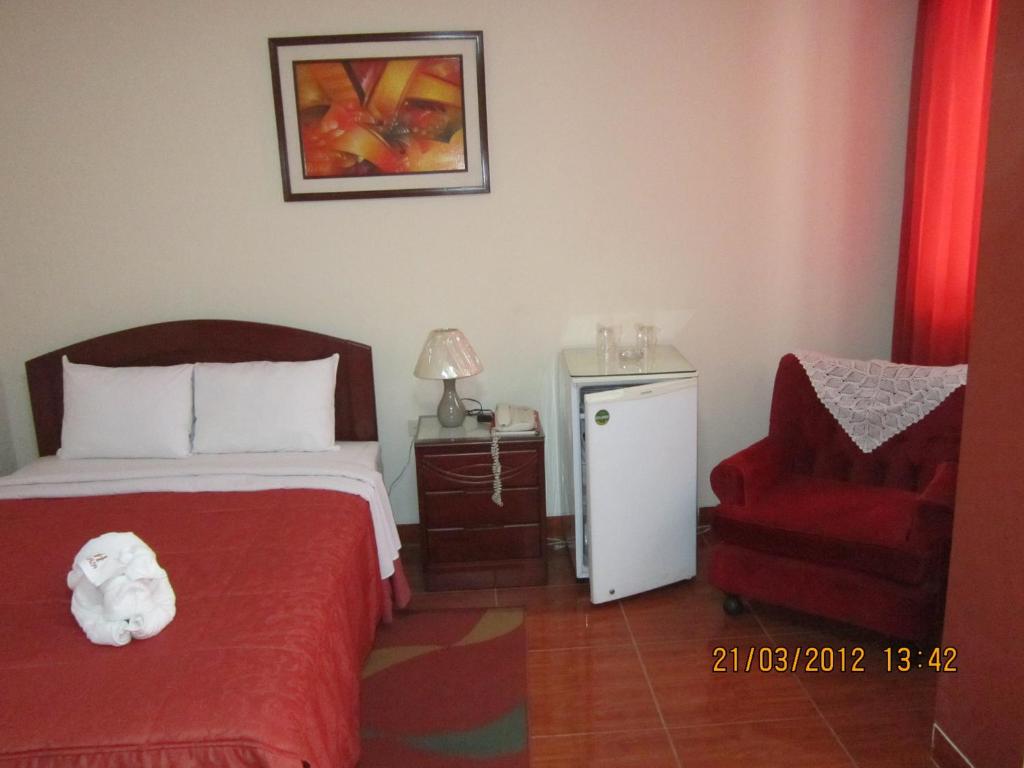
631, 683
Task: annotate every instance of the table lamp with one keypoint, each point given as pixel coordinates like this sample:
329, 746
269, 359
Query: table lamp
448, 355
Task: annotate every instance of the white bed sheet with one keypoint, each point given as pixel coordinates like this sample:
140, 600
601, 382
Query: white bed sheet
354, 468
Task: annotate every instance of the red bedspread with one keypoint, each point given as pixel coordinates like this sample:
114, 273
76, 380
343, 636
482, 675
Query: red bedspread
278, 598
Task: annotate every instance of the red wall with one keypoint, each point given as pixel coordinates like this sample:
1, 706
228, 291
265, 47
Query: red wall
981, 707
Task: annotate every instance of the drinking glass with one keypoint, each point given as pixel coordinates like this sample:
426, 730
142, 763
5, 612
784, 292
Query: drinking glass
646, 341
607, 354
605, 340
646, 337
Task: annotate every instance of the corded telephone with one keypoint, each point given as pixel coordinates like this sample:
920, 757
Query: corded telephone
507, 418
514, 418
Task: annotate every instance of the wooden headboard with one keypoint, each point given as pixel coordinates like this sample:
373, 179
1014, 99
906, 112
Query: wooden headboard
207, 341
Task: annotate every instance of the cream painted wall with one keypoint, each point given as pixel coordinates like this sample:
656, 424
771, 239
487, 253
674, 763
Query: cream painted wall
731, 169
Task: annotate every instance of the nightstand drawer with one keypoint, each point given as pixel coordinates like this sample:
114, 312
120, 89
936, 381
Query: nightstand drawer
468, 509
472, 544
469, 471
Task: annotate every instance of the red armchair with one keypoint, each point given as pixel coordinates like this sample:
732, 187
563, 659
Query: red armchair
808, 521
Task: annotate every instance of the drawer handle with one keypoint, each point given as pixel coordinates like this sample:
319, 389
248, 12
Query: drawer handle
488, 527
483, 472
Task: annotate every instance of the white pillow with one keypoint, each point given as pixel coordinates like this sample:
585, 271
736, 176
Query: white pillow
262, 406
126, 413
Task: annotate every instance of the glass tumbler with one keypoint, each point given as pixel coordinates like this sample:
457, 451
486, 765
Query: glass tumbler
646, 341
606, 346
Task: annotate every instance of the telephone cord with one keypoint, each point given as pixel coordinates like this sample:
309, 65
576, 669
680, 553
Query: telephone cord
496, 470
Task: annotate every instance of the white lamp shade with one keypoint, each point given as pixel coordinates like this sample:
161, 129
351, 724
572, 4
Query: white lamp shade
447, 354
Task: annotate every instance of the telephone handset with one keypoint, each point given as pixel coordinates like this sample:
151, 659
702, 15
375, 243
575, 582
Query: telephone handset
514, 418
507, 418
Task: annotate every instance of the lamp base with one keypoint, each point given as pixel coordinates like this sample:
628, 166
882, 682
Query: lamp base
450, 411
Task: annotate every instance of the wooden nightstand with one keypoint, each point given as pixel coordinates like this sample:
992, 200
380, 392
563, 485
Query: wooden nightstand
469, 541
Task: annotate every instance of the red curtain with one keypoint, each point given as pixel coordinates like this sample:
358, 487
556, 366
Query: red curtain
945, 174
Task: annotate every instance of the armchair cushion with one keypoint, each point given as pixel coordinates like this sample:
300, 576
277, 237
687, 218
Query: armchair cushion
864, 528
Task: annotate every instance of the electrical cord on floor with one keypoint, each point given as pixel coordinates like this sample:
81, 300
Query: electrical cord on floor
408, 461
556, 543
702, 529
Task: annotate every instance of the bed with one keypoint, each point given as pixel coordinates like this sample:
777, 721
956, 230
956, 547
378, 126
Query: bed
283, 565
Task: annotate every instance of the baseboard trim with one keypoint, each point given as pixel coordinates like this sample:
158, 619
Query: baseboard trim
945, 753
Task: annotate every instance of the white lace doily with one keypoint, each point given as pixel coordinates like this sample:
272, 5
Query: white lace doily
874, 399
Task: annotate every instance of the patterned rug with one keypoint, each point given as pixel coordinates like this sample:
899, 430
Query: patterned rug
447, 689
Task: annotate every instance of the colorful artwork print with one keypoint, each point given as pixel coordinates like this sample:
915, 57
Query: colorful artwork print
374, 117
380, 114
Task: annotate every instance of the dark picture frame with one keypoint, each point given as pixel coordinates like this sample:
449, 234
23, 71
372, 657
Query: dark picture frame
380, 115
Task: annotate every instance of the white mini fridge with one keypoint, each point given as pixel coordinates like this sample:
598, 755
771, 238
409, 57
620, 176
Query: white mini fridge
629, 469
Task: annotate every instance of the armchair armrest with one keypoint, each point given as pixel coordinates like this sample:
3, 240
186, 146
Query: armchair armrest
935, 513
741, 477
941, 489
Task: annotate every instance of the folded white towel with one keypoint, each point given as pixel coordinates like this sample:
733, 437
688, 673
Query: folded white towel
147, 605
120, 591
87, 608
112, 554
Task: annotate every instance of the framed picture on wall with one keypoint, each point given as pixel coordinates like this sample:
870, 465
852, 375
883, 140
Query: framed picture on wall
380, 115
